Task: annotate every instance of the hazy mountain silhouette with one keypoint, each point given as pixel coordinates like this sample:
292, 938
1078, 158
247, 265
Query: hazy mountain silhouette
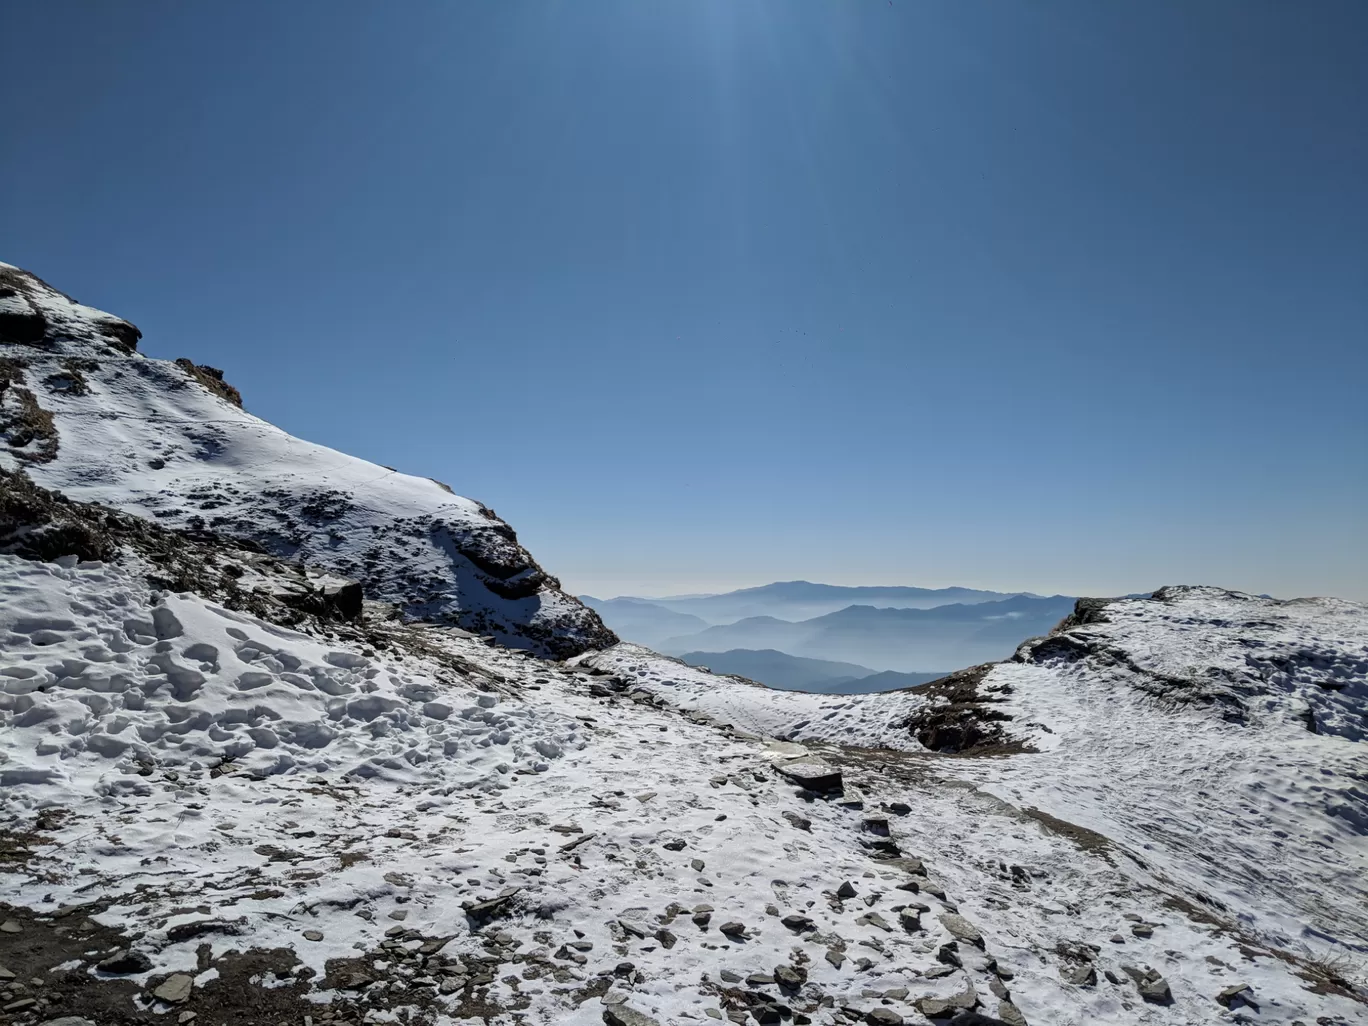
802, 600
643, 621
891, 639
796, 673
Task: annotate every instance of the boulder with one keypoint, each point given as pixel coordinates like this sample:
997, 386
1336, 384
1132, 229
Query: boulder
811, 773
625, 1015
174, 989
961, 929
125, 963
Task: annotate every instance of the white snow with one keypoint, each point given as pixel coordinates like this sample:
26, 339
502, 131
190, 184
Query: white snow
1196, 802
873, 721
147, 438
362, 791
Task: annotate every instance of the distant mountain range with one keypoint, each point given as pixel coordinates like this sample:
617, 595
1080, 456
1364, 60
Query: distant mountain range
795, 673
643, 621
910, 630
802, 600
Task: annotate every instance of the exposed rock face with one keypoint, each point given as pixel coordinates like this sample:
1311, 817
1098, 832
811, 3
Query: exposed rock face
33, 313
92, 418
212, 379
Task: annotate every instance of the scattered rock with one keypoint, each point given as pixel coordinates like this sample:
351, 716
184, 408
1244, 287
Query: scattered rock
811, 773
1151, 985
733, 929
846, 890
125, 963
936, 1007
676, 845
1237, 994
625, 1015
883, 1017
1080, 975
313, 935
961, 929
798, 924
491, 908
797, 821
978, 1019
174, 989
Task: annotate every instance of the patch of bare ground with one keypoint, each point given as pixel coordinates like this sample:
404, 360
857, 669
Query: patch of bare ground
1087, 840
212, 379
28, 429
961, 717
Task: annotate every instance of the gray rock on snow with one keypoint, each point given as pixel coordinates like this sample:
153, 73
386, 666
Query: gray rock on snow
1080, 975
811, 773
938, 1007
174, 989
625, 1015
961, 929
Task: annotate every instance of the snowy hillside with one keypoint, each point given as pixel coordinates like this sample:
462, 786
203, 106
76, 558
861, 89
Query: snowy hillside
207, 812
233, 793
83, 412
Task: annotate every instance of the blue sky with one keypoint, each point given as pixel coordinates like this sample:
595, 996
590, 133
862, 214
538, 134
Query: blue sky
1066, 296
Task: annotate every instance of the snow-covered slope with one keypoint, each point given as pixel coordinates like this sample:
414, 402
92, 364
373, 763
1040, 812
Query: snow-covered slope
205, 812
227, 796
83, 412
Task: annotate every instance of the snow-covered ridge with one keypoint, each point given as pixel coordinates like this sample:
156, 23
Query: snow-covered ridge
84, 413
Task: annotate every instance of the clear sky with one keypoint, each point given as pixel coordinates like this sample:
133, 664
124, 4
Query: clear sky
1060, 296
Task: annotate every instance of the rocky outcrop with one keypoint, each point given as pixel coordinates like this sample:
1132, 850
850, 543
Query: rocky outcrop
89, 416
33, 313
212, 379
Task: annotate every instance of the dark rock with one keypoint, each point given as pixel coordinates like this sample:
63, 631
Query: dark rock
976, 1019
174, 989
1080, 975
1236, 995
125, 963
798, 924
490, 908
846, 890
811, 773
883, 1017
623, 1015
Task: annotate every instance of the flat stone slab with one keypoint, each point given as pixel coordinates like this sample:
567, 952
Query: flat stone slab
811, 772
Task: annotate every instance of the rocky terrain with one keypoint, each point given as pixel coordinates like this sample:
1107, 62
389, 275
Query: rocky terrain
249, 777
84, 413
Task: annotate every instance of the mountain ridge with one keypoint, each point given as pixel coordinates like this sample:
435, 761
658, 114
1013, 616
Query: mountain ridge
82, 411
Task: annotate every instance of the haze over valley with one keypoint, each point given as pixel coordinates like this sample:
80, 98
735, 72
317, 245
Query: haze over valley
897, 630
